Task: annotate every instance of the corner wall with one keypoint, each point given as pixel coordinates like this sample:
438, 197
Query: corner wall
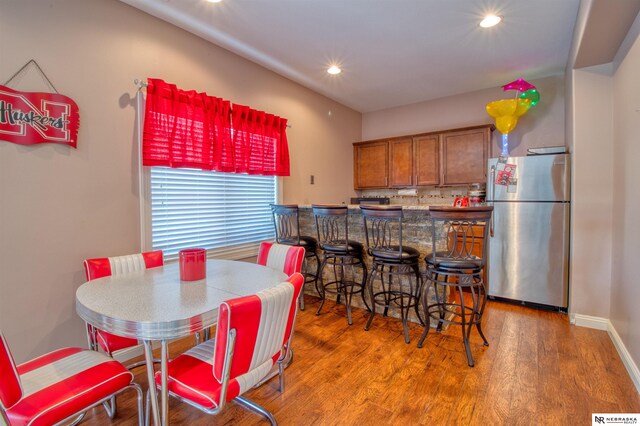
59, 206
592, 194
625, 280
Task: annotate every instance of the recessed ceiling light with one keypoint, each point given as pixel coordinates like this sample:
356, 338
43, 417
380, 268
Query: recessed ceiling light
334, 69
490, 21
214, 1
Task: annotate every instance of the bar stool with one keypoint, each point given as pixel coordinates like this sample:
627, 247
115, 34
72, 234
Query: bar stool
332, 225
383, 234
286, 222
457, 268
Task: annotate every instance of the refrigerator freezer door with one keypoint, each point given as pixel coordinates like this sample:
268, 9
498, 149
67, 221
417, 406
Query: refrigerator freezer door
528, 254
540, 178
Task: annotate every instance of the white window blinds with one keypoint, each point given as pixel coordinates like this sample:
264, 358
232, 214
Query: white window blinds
226, 213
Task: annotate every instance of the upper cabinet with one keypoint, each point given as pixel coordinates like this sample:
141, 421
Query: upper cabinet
401, 163
464, 156
426, 158
453, 157
371, 165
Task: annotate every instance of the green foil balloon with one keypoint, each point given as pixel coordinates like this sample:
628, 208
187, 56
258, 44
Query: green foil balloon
533, 95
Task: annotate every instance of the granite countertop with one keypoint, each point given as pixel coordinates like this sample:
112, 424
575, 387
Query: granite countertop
357, 206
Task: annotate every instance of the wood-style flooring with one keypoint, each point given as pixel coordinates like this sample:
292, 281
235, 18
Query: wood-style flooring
538, 370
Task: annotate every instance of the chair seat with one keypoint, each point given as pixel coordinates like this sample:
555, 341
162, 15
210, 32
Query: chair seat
190, 376
408, 253
112, 343
354, 247
474, 263
50, 385
305, 241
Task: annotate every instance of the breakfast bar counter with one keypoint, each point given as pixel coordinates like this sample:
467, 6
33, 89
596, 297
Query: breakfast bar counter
416, 233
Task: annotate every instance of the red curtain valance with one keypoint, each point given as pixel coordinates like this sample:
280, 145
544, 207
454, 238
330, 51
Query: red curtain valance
260, 141
190, 129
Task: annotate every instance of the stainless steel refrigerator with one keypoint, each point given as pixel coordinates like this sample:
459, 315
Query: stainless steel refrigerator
529, 239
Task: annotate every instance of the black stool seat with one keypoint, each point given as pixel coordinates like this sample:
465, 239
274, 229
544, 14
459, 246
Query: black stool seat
473, 263
392, 253
305, 241
338, 246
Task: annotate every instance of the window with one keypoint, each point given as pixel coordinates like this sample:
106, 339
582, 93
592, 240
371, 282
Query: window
226, 213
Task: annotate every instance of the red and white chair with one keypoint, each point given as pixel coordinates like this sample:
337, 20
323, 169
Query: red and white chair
60, 385
285, 258
253, 335
112, 266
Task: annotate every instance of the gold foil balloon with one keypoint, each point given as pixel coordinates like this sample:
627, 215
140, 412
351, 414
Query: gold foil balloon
507, 111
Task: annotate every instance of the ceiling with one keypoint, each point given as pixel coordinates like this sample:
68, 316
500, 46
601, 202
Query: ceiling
392, 52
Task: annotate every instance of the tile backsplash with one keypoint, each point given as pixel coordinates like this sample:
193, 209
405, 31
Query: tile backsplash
424, 196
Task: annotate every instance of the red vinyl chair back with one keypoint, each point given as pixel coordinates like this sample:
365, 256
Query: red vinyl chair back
113, 266
108, 266
262, 324
285, 258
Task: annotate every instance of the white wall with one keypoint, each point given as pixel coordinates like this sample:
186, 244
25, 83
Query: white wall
592, 194
543, 125
59, 206
625, 280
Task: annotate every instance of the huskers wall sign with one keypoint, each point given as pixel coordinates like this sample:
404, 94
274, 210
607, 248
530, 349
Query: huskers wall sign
29, 118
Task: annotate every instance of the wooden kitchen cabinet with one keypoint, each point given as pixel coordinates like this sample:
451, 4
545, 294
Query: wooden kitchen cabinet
452, 157
401, 162
426, 159
371, 165
464, 156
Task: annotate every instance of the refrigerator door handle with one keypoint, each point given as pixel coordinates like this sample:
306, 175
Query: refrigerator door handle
492, 182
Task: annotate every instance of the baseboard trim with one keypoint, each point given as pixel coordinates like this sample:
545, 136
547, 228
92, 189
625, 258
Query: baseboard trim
588, 321
628, 362
604, 324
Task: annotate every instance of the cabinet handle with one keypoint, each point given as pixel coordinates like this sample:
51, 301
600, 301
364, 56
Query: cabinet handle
386, 181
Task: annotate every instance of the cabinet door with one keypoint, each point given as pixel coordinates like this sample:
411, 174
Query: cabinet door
401, 161
465, 155
426, 159
371, 165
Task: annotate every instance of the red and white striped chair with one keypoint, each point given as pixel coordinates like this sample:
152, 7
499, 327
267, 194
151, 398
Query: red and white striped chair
253, 334
285, 258
60, 385
111, 266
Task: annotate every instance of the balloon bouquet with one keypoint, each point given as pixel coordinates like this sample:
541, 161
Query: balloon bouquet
507, 111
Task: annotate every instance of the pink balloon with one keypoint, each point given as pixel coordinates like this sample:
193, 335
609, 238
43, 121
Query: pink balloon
519, 85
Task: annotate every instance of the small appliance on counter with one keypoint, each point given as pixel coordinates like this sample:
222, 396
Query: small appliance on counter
370, 200
476, 195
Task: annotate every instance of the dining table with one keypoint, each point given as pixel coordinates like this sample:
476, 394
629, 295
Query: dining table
154, 305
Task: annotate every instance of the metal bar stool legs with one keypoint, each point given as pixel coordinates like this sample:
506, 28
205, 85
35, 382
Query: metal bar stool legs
462, 313
346, 284
394, 293
310, 277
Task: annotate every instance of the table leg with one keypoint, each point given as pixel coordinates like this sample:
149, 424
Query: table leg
165, 391
148, 355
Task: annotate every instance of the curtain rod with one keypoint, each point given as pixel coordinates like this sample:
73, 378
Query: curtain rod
141, 83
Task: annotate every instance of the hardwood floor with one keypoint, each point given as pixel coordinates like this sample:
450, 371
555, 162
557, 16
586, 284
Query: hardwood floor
537, 370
